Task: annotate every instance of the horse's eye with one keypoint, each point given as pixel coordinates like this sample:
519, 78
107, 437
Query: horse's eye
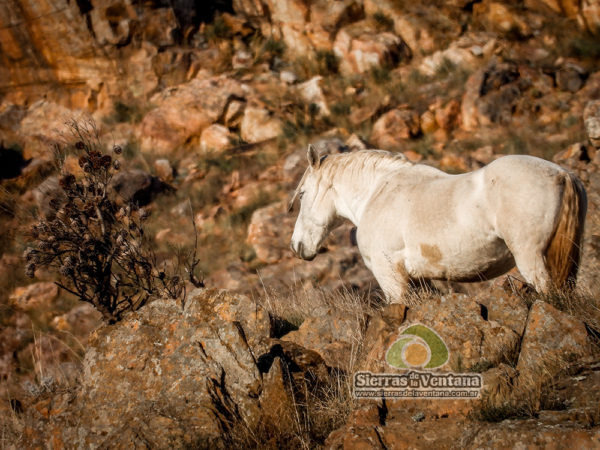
300, 195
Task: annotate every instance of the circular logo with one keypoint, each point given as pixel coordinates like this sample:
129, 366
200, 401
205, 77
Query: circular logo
417, 347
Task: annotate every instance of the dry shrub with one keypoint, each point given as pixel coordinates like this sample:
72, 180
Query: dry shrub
97, 246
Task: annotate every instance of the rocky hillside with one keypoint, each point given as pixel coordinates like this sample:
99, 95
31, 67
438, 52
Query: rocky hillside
213, 107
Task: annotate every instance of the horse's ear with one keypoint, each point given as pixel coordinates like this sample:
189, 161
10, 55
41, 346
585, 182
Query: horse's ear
313, 157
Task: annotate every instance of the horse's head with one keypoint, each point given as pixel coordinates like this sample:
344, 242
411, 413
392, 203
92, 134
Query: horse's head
317, 210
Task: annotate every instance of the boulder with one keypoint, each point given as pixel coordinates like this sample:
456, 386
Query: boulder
490, 96
113, 25
447, 116
79, 321
589, 18
360, 48
392, 129
504, 308
164, 170
184, 111
500, 17
571, 77
259, 125
586, 13
204, 373
252, 193
552, 340
311, 92
234, 113
34, 296
43, 43
42, 126
466, 53
424, 27
331, 16
269, 233
249, 8
462, 323
187, 371
332, 334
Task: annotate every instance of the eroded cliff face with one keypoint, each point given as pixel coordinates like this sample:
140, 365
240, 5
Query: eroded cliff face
45, 44
78, 52
81, 52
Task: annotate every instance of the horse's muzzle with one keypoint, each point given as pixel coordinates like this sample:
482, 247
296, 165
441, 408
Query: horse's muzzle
299, 252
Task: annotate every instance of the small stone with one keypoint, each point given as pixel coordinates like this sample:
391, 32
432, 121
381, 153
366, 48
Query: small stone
163, 169
259, 125
216, 138
288, 77
418, 417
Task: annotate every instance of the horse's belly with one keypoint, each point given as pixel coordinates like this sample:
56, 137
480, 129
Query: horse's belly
478, 263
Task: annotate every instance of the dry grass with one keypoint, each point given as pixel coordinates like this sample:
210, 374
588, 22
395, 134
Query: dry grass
522, 396
55, 365
300, 303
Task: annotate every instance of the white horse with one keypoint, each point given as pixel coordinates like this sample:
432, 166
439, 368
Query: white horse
416, 222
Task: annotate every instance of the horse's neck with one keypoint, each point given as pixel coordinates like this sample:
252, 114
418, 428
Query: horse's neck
354, 189
357, 184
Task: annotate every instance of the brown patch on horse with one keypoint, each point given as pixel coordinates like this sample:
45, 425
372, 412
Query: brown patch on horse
431, 253
563, 253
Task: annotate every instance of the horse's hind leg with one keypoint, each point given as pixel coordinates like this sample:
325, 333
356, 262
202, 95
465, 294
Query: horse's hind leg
532, 266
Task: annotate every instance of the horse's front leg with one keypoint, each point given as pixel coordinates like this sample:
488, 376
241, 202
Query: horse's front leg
392, 278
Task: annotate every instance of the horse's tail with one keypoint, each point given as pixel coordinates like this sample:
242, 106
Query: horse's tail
563, 253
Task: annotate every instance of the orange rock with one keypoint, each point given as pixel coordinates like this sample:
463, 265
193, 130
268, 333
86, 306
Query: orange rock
216, 138
34, 295
259, 125
394, 127
184, 112
552, 339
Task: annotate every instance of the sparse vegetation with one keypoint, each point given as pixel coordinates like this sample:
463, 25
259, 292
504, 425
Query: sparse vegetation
217, 29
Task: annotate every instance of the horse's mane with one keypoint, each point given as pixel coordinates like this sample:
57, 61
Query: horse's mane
355, 165
363, 163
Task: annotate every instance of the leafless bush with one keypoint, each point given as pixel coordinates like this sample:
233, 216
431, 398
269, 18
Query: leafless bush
97, 245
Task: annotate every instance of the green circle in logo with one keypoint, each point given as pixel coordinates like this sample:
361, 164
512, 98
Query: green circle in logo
418, 346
